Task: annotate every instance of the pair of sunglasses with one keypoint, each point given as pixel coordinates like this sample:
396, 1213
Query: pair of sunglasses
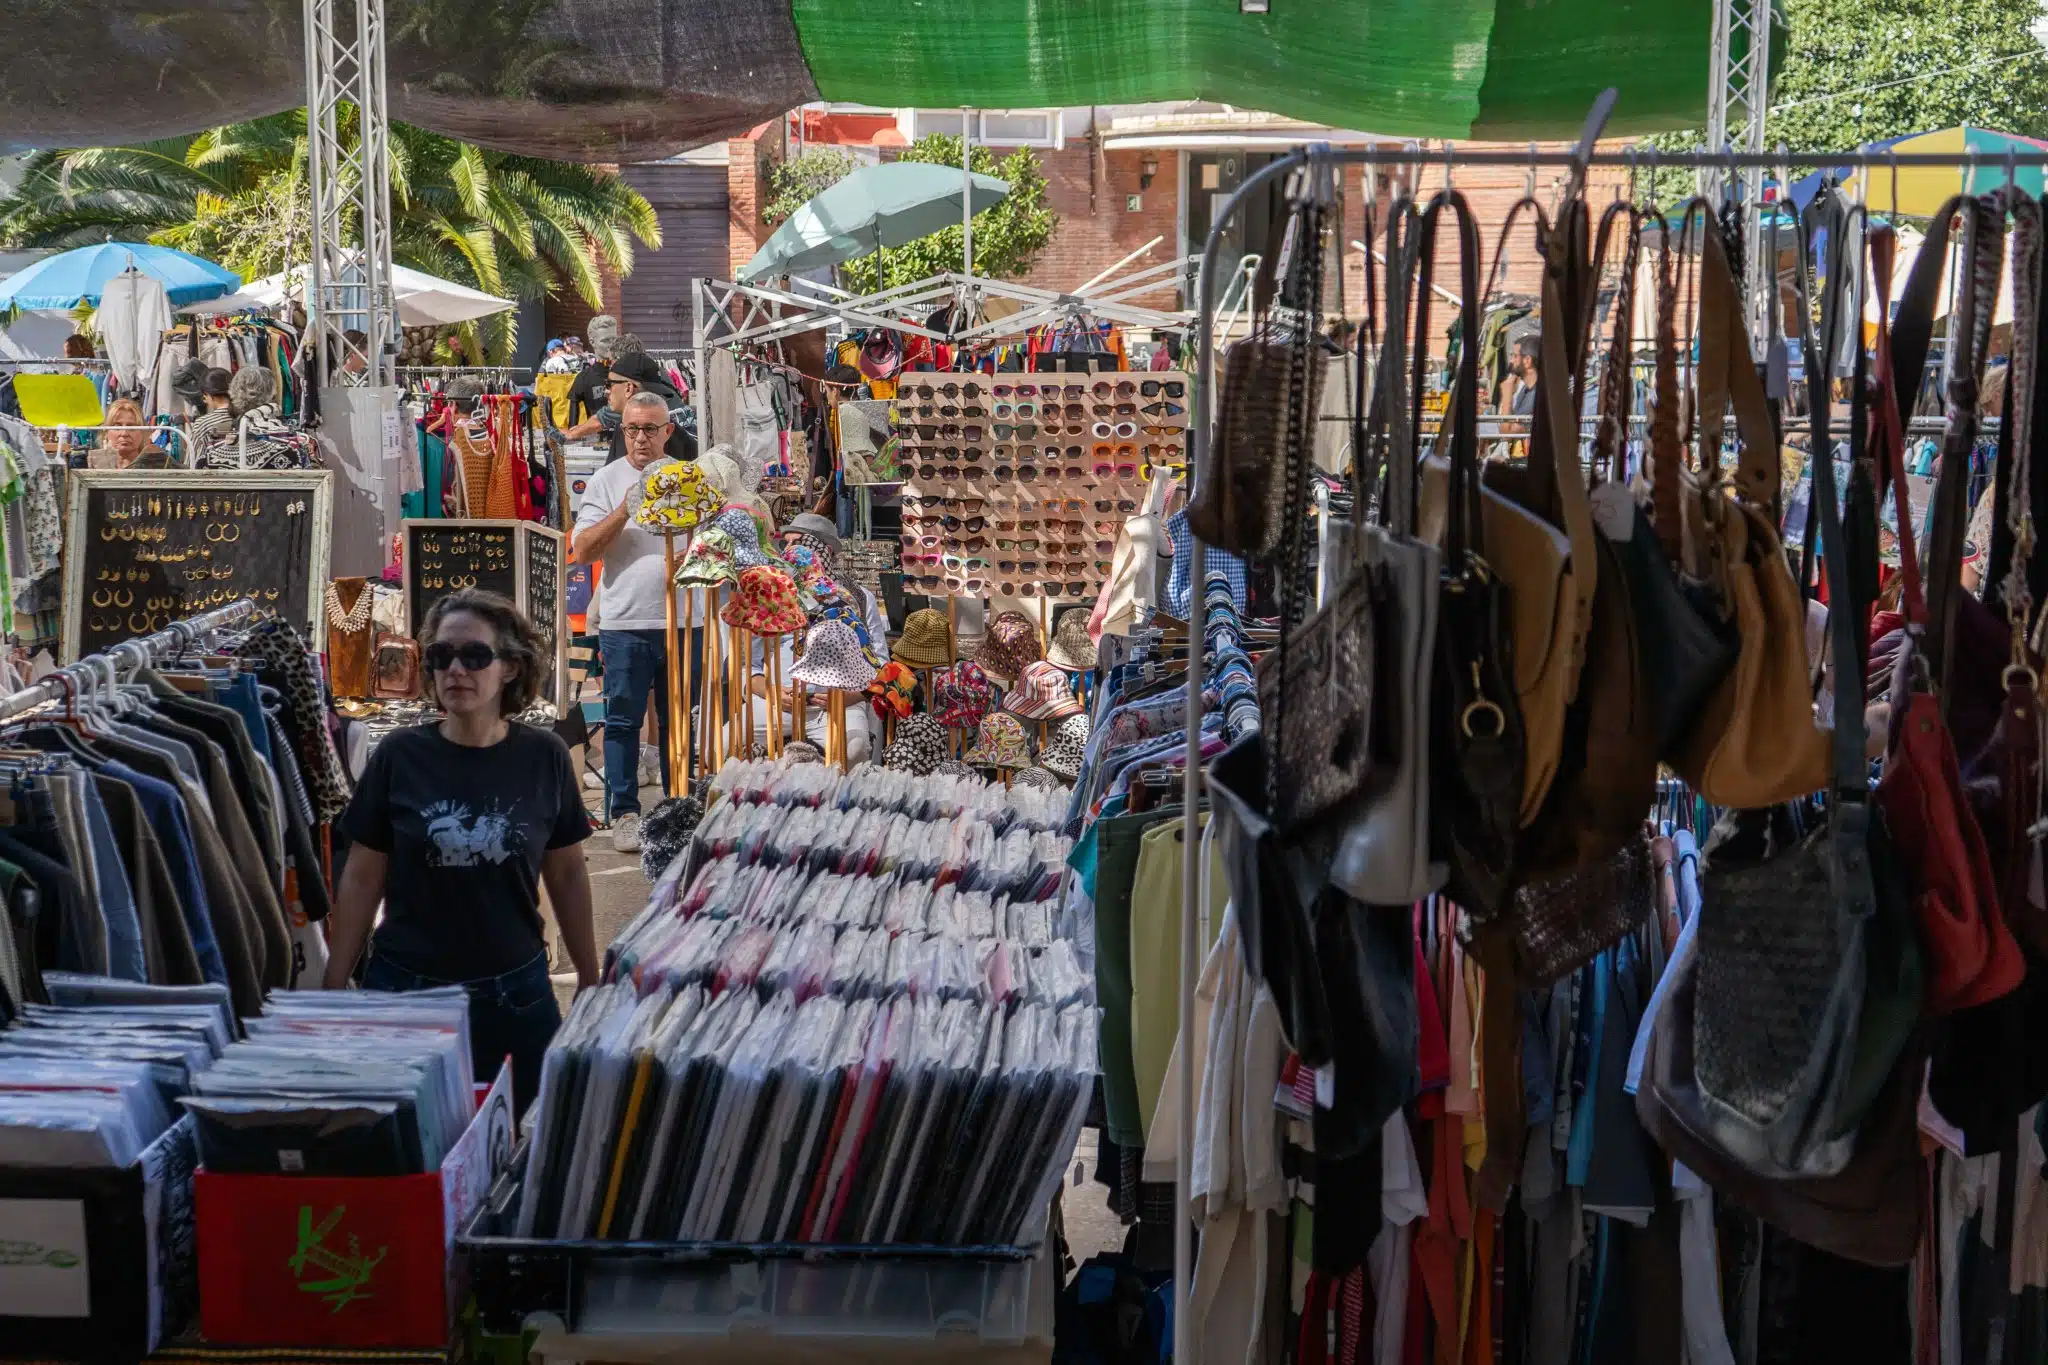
965, 563
1177, 471
972, 587
1172, 388
1105, 389
1016, 409
1020, 390
1005, 431
914, 503
1103, 431
474, 655
1163, 409
950, 410
949, 473
1012, 546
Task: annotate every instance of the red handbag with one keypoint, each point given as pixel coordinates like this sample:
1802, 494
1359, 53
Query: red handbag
1971, 956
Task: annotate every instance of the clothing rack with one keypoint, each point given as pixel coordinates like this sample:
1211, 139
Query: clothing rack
87, 362
68, 681
1583, 155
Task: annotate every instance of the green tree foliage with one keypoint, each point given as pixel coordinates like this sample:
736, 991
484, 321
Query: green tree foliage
516, 226
1858, 71
1007, 238
795, 182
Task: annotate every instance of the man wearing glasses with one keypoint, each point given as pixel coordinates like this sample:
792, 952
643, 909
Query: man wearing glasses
632, 635
631, 374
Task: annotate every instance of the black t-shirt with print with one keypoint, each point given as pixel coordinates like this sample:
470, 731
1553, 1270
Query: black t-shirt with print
465, 830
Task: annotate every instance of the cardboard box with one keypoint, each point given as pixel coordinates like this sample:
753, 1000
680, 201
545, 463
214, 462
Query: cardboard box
318, 1261
98, 1264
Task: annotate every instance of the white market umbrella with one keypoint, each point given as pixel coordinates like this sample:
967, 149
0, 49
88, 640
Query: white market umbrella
423, 300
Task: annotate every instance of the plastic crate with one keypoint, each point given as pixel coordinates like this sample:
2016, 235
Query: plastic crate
728, 1290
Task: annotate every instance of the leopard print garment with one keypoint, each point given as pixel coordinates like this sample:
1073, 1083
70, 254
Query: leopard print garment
281, 652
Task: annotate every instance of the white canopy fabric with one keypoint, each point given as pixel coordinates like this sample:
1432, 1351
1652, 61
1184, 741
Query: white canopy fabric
423, 300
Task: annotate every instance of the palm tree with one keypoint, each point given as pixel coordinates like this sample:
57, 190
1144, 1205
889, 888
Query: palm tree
517, 226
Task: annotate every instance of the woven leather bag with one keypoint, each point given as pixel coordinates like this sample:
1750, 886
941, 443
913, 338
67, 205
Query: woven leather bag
1238, 497
1809, 982
1755, 742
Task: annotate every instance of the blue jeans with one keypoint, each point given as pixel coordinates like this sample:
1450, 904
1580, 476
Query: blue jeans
513, 1015
635, 663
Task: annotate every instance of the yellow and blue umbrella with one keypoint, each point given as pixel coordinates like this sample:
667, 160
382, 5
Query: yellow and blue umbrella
1922, 190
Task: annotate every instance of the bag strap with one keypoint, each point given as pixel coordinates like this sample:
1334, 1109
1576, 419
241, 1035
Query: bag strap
1667, 449
2013, 512
1458, 435
1617, 384
1266, 279
1395, 432
1969, 337
1728, 375
1888, 430
1850, 768
1555, 444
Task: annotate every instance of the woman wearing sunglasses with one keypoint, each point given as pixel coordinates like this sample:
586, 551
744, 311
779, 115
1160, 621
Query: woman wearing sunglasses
454, 827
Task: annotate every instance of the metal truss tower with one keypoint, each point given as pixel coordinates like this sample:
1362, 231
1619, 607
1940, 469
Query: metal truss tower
349, 286
1738, 98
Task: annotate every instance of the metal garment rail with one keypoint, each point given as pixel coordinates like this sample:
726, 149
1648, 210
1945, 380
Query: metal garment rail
1449, 158
72, 679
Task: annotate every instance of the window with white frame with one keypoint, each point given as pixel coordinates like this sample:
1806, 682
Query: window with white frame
993, 127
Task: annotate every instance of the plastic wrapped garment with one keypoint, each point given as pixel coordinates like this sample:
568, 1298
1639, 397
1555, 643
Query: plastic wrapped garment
630, 80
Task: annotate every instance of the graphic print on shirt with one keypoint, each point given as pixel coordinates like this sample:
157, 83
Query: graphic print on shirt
461, 839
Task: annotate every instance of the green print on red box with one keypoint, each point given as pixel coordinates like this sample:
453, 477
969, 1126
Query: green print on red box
348, 1273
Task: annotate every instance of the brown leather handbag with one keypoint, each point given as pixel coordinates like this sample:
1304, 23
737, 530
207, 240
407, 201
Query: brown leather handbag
1755, 743
395, 668
1607, 777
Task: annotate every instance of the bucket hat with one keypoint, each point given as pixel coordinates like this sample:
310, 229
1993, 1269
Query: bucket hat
709, 561
1011, 643
1071, 648
1000, 744
803, 751
920, 747
1063, 754
1042, 693
1037, 777
953, 767
962, 695
666, 833
749, 538
894, 690
764, 601
880, 356
815, 531
927, 641
832, 658
677, 497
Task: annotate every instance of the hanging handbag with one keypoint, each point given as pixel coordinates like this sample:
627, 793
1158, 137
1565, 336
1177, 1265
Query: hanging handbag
1809, 979
1475, 717
1971, 957
1548, 574
1238, 496
1317, 686
1687, 646
1607, 776
1382, 852
1755, 742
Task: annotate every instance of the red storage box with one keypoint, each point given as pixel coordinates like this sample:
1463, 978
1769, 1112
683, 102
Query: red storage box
319, 1261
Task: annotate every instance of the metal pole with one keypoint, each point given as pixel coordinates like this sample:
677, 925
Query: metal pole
967, 191
1191, 790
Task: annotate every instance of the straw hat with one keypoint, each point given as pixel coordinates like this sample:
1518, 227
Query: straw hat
1042, 693
1000, 744
1071, 647
927, 641
894, 690
962, 695
919, 748
765, 602
1063, 755
832, 658
1011, 643
709, 561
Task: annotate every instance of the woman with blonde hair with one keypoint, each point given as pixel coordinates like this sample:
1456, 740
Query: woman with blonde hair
127, 434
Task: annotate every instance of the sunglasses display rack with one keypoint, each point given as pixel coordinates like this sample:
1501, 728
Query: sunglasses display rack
1016, 485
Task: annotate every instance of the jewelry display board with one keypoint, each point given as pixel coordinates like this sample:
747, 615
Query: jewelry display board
143, 548
1018, 484
521, 560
